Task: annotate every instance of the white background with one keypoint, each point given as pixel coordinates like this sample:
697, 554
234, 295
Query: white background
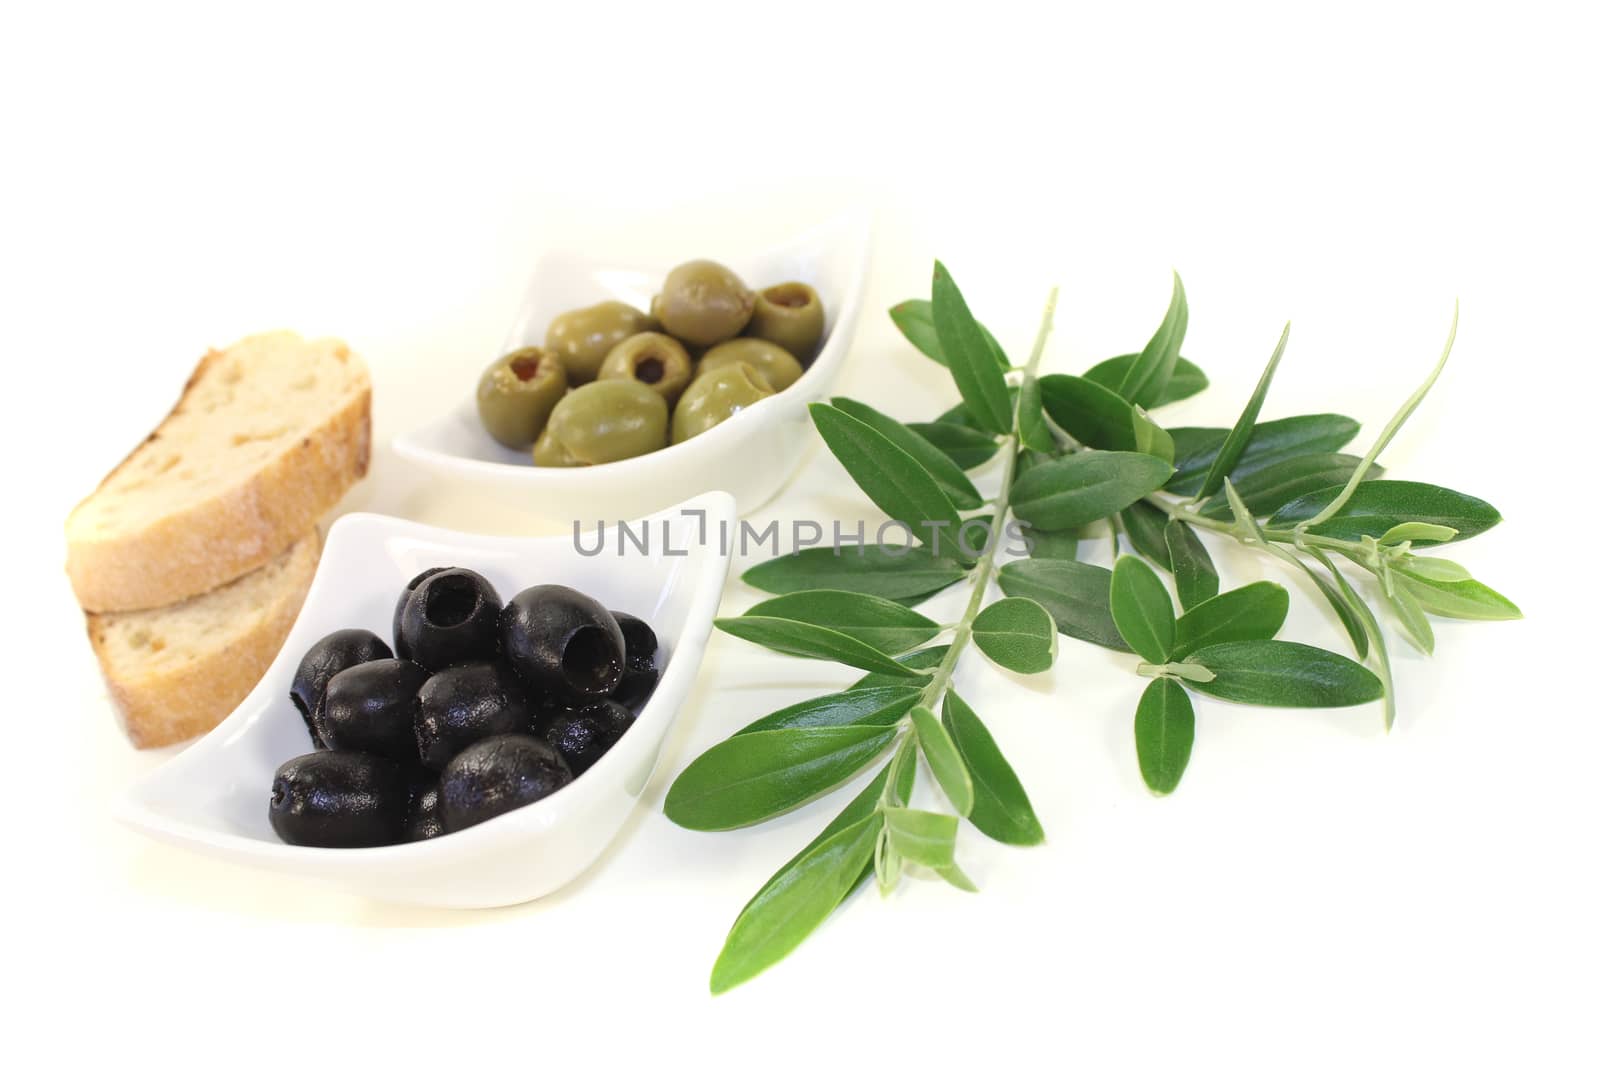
1315, 891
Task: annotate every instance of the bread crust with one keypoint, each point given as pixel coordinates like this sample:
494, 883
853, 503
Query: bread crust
189, 698
216, 540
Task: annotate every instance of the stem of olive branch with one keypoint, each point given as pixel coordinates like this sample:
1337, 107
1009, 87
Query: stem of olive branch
983, 572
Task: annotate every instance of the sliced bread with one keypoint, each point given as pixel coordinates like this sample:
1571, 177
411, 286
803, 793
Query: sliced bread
175, 672
266, 438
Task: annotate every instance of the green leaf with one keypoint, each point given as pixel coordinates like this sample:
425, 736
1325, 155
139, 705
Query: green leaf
1142, 609
893, 480
1192, 570
1272, 442
1457, 600
872, 620
1234, 445
1149, 373
794, 903
1053, 544
1187, 379
811, 642
1077, 596
1083, 487
893, 573
943, 469
944, 759
924, 837
1440, 570
1099, 418
966, 447
921, 659
1284, 674
1000, 806
1163, 734
970, 355
1031, 428
1375, 508
1426, 532
878, 706
914, 318
1412, 619
1017, 633
1254, 612
1370, 631
1146, 525
1268, 489
752, 777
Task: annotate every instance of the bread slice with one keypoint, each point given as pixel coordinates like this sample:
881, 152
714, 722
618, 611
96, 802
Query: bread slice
265, 439
175, 672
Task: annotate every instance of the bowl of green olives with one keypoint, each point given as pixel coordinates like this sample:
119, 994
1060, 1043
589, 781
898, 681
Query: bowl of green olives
623, 386
455, 720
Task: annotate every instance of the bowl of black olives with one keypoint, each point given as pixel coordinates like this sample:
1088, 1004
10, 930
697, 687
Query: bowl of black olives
624, 385
454, 720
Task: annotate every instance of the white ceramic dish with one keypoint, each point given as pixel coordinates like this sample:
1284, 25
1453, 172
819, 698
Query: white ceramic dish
750, 455
213, 797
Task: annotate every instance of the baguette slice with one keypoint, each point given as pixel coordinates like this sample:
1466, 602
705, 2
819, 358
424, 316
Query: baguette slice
175, 672
265, 439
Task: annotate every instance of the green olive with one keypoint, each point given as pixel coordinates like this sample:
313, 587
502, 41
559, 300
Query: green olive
584, 337
702, 303
789, 315
715, 396
655, 359
773, 363
602, 422
517, 393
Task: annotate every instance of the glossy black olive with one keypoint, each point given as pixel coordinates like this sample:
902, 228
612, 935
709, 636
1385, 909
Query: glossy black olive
372, 707
340, 800
635, 688
461, 705
562, 642
497, 775
583, 735
451, 617
638, 640
326, 658
400, 647
422, 819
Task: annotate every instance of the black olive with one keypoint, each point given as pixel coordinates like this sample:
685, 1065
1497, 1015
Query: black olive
400, 647
422, 819
497, 775
464, 704
340, 800
326, 658
638, 641
451, 617
562, 642
372, 707
583, 735
635, 688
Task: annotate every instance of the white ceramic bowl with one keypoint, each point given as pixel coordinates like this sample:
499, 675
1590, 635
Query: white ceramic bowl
750, 455
213, 796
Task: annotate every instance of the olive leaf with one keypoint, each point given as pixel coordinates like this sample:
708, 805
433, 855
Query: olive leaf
1411, 616
1052, 544
1000, 806
888, 474
1238, 438
1032, 429
1284, 674
876, 706
1149, 373
1163, 734
1267, 489
924, 837
1077, 596
914, 319
1271, 442
1372, 509
1467, 599
810, 641
966, 447
921, 660
1187, 379
943, 469
875, 621
1192, 570
752, 777
1372, 633
895, 573
1254, 612
1146, 526
1017, 633
1078, 489
944, 759
1142, 609
1097, 417
970, 355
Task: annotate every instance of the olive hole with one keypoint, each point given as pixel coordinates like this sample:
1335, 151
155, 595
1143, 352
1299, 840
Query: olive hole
450, 602
589, 661
277, 794
650, 370
789, 296
525, 367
